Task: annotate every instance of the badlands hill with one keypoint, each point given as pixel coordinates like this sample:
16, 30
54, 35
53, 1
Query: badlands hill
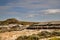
14, 21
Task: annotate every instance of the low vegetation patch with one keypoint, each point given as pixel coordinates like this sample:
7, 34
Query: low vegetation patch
54, 38
27, 38
41, 35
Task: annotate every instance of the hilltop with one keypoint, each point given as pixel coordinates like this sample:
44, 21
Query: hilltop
14, 21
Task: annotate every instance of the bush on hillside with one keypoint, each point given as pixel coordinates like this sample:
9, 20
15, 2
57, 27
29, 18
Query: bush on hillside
54, 38
32, 37
44, 34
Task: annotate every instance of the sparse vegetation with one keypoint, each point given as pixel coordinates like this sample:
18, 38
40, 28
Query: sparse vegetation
54, 38
32, 37
43, 34
56, 33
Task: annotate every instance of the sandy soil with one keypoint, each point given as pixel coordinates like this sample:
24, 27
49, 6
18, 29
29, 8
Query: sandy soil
14, 34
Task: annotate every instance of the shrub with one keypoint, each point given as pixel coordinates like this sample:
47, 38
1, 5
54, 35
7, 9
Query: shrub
22, 38
27, 38
33, 37
56, 33
44, 34
54, 38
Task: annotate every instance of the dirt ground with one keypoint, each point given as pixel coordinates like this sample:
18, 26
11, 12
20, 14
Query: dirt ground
14, 34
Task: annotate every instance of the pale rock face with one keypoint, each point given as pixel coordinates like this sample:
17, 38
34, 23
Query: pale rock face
20, 25
10, 25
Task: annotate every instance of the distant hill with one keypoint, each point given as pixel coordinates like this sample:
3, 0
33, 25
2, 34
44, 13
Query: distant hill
14, 21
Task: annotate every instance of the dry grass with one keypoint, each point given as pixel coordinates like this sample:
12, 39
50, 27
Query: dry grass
14, 34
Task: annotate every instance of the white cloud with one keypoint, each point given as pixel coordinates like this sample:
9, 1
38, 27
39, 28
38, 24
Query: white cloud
12, 12
9, 13
51, 11
31, 15
41, 3
5, 7
28, 4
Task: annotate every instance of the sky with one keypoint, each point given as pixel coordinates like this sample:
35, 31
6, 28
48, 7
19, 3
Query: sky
30, 10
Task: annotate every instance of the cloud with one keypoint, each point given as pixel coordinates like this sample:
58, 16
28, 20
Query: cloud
32, 4
9, 13
42, 13
5, 7
12, 13
35, 8
51, 11
29, 5
31, 15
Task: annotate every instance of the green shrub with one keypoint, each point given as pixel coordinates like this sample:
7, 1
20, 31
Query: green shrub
33, 37
44, 34
55, 33
27, 38
22, 38
54, 38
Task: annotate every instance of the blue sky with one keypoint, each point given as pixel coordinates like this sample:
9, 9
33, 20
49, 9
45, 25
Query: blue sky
30, 10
